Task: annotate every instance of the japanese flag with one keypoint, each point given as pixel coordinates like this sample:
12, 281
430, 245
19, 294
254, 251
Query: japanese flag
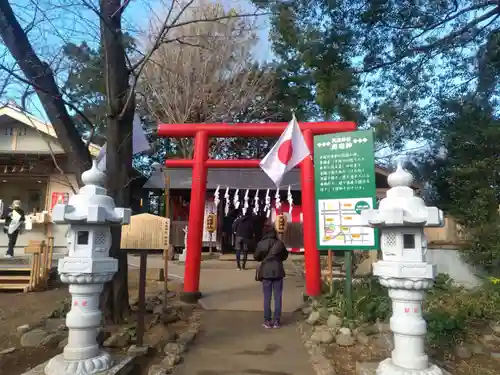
289, 151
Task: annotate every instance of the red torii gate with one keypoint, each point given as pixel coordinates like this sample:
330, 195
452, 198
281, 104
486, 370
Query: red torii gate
200, 164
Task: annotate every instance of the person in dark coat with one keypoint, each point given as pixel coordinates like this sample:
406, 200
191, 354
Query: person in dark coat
14, 218
271, 252
243, 230
258, 224
227, 231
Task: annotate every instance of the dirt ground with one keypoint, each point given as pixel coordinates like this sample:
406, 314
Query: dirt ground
17, 309
345, 359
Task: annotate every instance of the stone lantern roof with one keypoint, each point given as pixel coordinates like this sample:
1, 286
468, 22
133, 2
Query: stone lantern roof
91, 205
401, 207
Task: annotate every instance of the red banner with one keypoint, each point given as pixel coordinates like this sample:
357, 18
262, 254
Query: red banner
59, 197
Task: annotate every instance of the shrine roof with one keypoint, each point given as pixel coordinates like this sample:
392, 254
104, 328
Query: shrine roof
181, 178
12, 113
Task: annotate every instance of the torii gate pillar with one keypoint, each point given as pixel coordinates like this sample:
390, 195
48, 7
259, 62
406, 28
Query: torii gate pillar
200, 164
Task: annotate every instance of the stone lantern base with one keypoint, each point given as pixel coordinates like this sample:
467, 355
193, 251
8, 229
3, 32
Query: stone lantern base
122, 366
386, 367
60, 366
372, 368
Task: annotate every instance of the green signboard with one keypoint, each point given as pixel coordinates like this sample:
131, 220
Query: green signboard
344, 169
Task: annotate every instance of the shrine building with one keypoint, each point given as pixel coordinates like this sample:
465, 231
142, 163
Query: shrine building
34, 169
241, 179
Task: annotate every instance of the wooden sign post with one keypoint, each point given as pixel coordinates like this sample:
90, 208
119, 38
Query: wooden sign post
146, 232
330, 270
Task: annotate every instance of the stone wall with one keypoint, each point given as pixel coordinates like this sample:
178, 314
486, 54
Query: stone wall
449, 261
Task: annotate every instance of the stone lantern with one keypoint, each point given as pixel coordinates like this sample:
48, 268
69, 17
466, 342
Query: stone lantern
402, 216
90, 214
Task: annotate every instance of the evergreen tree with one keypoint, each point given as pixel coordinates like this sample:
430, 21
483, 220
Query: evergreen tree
85, 83
405, 57
464, 174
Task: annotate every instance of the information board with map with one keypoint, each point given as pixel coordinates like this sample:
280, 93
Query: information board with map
344, 168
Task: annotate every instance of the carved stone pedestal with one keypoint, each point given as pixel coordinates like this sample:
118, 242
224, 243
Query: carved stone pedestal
387, 367
121, 366
409, 328
82, 354
97, 364
370, 368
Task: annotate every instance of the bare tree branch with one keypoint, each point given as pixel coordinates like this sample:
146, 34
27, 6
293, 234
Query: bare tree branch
31, 25
121, 9
168, 26
446, 41
207, 74
161, 34
104, 21
41, 76
5, 83
20, 78
469, 27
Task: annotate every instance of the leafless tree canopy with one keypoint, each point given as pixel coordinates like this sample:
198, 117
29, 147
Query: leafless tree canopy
207, 72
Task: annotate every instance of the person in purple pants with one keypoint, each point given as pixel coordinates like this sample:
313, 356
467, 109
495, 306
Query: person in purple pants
271, 252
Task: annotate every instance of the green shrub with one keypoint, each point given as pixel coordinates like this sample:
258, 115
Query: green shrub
453, 313
371, 301
443, 329
482, 249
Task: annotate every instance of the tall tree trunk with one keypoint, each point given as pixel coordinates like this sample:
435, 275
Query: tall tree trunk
39, 74
119, 147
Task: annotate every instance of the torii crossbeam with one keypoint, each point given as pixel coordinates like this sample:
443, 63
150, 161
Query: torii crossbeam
200, 164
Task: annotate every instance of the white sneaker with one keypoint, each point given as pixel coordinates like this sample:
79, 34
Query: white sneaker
8, 256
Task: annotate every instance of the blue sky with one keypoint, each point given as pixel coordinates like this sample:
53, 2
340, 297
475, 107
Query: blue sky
54, 27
